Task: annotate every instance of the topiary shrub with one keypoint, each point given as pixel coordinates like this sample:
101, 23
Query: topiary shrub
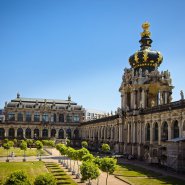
17, 178
45, 179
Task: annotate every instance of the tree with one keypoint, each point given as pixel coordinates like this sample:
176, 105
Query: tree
15, 142
62, 149
89, 171
108, 165
105, 148
80, 154
39, 147
45, 179
29, 142
88, 157
7, 145
17, 178
70, 155
84, 144
23, 146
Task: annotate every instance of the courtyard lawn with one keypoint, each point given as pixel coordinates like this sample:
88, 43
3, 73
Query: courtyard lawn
140, 176
32, 169
19, 152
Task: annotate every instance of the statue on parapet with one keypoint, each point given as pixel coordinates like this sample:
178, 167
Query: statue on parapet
182, 95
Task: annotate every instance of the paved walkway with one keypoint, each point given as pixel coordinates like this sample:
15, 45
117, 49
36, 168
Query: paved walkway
55, 157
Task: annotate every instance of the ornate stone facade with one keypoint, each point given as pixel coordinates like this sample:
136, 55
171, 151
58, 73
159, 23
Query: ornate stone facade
148, 122
41, 118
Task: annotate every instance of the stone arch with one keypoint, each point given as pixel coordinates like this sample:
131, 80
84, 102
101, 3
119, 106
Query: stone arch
147, 132
36, 133
61, 134
28, 133
156, 131
11, 133
76, 134
53, 132
45, 133
164, 131
175, 129
20, 133
2, 133
68, 133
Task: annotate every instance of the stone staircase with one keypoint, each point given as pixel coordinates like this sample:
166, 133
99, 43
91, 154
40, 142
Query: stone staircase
59, 174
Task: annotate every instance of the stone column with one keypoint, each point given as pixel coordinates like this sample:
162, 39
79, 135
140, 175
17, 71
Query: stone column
166, 97
151, 134
24, 130
169, 132
180, 124
128, 133
143, 98
49, 132
159, 134
15, 132
16, 113
134, 133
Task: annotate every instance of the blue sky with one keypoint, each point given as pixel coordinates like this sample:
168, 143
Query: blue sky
50, 49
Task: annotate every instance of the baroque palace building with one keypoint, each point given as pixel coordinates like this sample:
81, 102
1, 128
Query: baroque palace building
148, 125
41, 118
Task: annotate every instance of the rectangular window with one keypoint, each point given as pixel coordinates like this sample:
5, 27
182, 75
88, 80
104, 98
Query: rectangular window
11, 116
69, 118
45, 118
76, 118
28, 116
20, 117
36, 117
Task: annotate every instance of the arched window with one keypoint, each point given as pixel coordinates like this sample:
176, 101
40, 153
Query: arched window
20, 133
175, 130
45, 133
36, 133
28, 133
156, 132
61, 134
11, 133
61, 118
2, 132
53, 133
68, 132
76, 134
20, 117
165, 131
148, 132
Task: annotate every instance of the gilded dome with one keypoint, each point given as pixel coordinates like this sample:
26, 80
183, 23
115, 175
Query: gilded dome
145, 58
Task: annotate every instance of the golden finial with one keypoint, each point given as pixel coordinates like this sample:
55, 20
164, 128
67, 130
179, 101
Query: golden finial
146, 25
146, 32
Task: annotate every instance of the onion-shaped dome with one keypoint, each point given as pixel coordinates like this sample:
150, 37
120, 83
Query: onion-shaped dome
145, 58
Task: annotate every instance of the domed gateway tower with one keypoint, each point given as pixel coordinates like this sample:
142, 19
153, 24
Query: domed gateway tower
143, 86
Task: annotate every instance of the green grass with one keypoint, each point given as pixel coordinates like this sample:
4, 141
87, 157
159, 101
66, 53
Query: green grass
32, 169
60, 174
19, 152
140, 176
